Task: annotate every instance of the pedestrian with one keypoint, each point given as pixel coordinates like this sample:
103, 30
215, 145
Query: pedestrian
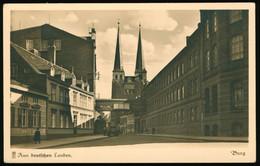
105, 130
37, 136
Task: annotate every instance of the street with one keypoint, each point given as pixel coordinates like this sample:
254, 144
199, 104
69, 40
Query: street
126, 139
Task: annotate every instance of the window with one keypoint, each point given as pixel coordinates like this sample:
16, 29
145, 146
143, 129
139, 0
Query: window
29, 44
171, 76
238, 94
74, 98
196, 85
174, 74
179, 116
191, 61
14, 69
206, 130
192, 114
207, 61
183, 116
195, 58
35, 100
178, 94
174, 95
214, 56
214, 99
206, 99
57, 44
235, 15
62, 96
66, 97
169, 79
35, 118
45, 45
67, 121
215, 22
24, 97
207, 29
53, 92
178, 71
191, 87
53, 118
215, 130
121, 77
236, 129
24, 117
12, 116
182, 92
182, 68
237, 47
61, 120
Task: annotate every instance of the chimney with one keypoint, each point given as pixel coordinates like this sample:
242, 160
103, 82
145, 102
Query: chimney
52, 52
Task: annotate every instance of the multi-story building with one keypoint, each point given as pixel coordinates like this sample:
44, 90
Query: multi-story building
81, 107
204, 89
53, 81
71, 51
28, 112
127, 87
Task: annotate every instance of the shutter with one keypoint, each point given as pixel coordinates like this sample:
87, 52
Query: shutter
19, 117
12, 116
39, 119
30, 118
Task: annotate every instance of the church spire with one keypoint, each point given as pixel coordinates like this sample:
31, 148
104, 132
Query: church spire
118, 66
139, 68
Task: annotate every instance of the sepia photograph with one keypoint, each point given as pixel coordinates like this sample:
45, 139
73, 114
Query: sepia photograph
129, 83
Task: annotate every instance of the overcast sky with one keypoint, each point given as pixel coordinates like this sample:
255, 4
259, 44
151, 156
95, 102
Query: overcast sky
163, 35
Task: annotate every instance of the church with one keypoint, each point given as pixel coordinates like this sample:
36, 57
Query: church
127, 87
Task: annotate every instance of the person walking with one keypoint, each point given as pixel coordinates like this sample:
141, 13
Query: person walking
37, 136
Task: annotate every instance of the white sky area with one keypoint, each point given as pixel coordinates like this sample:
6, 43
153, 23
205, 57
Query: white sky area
163, 35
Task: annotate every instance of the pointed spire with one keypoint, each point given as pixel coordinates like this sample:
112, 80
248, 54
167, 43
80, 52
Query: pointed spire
118, 66
139, 57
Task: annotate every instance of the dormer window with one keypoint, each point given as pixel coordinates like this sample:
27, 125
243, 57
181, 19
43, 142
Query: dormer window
52, 72
74, 80
57, 44
29, 44
62, 76
82, 85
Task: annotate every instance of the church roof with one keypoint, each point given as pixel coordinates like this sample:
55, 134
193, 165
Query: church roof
118, 66
139, 57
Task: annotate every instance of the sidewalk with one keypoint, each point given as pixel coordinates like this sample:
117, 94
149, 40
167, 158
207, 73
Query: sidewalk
203, 138
58, 142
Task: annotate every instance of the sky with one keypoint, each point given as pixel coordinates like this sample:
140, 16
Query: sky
163, 35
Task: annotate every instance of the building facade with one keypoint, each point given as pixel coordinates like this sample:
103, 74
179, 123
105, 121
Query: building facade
71, 51
56, 83
127, 87
28, 112
203, 91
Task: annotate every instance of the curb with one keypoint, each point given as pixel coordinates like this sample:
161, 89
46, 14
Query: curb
209, 140
70, 143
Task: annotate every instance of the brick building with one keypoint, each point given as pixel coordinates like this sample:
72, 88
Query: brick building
204, 89
72, 51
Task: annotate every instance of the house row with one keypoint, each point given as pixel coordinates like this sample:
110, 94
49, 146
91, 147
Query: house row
47, 96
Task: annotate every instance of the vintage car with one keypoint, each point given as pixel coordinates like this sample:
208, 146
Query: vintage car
113, 130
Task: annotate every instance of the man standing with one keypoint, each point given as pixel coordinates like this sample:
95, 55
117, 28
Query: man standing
37, 136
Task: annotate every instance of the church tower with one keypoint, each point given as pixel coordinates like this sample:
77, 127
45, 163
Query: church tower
118, 71
140, 71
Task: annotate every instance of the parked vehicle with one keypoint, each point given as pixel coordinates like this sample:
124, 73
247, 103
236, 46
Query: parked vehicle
113, 130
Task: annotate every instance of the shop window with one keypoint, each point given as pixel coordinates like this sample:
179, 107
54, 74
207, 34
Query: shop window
206, 130
215, 99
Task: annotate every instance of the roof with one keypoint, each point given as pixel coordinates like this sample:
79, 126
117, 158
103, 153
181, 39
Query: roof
139, 57
118, 66
39, 64
25, 88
